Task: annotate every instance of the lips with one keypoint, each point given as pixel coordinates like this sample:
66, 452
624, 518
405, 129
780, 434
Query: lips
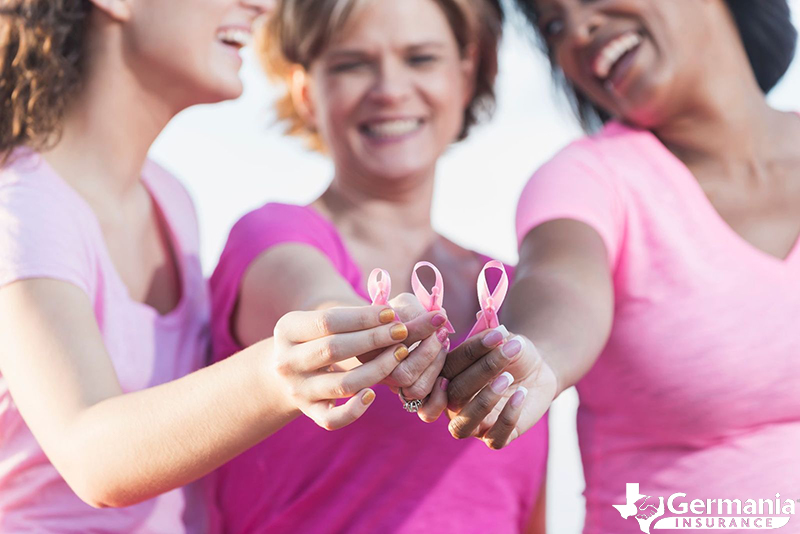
612, 53
235, 37
391, 129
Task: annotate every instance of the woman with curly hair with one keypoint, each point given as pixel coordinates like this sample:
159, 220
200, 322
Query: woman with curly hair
660, 260
103, 306
384, 87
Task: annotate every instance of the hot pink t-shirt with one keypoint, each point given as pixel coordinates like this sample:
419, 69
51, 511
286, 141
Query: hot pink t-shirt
48, 231
386, 473
698, 389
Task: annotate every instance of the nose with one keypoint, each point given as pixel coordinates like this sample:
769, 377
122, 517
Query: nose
584, 22
262, 7
393, 82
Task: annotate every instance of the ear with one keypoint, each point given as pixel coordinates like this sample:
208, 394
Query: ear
118, 10
299, 87
469, 69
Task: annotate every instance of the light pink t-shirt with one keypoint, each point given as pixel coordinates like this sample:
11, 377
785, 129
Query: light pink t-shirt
48, 231
386, 473
698, 389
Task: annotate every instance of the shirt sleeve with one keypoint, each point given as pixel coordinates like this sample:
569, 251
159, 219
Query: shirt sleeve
251, 236
41, 236
574, 185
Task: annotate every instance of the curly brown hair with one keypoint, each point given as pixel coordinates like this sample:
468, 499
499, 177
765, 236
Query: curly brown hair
301, 29
41, 53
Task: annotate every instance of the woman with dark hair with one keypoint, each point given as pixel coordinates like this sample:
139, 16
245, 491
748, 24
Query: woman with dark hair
104, 307
659, 262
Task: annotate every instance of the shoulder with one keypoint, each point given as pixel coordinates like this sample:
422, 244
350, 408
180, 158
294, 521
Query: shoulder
46, 230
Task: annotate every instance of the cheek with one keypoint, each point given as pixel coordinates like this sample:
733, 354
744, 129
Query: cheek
448, 94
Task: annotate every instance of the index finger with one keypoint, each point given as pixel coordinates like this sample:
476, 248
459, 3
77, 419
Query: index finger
302, 326
473, 349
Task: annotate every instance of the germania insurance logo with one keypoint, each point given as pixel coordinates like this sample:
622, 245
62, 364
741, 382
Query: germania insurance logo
709, 514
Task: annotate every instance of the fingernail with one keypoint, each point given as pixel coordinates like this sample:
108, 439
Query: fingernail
502, 382
441, 335
399, 332
387, 316
503, 330
511, 348
400, 353
518, 397
438, 320
443, 383
447, 344
495, 337
368, 397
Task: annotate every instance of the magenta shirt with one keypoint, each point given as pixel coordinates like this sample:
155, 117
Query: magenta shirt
698, 388
48, 231
388, 471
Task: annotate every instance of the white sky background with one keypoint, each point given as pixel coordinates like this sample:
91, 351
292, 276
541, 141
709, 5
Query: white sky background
233, 159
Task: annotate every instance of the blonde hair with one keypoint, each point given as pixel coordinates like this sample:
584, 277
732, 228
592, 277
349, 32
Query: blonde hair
301, 29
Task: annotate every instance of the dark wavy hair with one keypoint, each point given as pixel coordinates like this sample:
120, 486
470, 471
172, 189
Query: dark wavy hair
766, 29
41, 57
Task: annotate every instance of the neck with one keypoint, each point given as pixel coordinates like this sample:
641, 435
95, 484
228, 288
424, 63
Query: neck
108, 130
371, 208
727, 123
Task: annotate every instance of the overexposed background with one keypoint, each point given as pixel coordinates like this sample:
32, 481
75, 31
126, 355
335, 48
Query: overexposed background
233, 159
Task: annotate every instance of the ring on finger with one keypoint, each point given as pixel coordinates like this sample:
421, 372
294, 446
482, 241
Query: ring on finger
410, 405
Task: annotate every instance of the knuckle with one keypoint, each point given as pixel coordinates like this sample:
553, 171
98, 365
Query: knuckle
489, 366
458, 428
483, 403
457, 393
402, 376
322, 322
416, 391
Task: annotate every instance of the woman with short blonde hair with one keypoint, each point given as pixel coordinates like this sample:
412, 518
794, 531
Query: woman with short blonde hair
384, 88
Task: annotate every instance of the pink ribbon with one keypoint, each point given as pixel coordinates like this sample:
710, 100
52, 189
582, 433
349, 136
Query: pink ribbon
379, 289
490, 301
430, 301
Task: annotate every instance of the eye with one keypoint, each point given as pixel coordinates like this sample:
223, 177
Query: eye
421, 59
552, 28
347, 66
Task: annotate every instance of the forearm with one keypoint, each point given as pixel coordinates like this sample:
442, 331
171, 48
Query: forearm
568, 322
132, 447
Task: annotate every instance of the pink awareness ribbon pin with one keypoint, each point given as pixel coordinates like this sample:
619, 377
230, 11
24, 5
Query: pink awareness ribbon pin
430, 301
490, 301
379, 287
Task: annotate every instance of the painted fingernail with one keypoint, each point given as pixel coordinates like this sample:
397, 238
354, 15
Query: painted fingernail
387, 316
511, 348
399, 332
443, 383
503, 330
368, 397
438, 320
447, 344
441, 335
518, 397
493, 338
400, 353
502, 382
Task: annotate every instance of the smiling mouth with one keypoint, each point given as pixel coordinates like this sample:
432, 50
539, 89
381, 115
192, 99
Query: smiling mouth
235, 37
391, 129
612, 55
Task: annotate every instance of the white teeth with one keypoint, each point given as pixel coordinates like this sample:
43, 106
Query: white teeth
394, 128
235, 36
612, 52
